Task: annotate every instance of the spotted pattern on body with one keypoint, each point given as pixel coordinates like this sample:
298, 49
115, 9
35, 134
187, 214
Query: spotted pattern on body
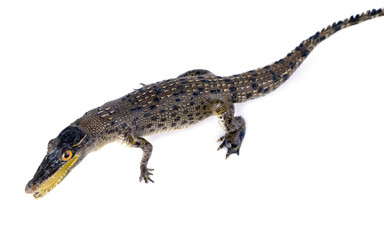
198, 94
178, 103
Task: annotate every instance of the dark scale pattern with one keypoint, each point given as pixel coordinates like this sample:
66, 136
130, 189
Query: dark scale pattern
195, 95
174, 102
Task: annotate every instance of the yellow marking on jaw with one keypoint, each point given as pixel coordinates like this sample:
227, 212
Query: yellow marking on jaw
77, 144
55, 179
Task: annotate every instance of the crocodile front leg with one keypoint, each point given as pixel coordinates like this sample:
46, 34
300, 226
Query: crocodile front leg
140, 142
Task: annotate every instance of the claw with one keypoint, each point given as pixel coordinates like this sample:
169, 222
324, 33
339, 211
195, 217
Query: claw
231, 151
232, 141
145, 175
146, 179
220, 147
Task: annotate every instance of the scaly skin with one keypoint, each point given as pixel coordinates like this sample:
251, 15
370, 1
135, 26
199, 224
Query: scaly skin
191, 97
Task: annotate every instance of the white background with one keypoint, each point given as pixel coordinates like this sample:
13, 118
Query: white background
312, 162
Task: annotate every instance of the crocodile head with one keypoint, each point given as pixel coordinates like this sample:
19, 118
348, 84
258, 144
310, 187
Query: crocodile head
64, 153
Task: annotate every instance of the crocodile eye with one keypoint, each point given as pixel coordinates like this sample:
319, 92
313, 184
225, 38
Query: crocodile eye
66, 155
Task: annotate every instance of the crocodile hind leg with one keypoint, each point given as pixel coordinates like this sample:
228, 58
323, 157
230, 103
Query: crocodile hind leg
233, 126
140, 142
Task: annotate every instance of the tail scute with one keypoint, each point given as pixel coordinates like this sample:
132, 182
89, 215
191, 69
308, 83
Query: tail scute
337, 26
264, 80
300, 53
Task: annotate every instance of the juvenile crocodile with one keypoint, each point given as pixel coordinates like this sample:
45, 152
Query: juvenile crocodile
169, 105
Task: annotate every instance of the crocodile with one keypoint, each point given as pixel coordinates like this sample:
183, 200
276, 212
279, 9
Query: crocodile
170, 105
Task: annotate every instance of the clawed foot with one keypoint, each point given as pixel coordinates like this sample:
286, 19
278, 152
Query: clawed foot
232, 141
145, 174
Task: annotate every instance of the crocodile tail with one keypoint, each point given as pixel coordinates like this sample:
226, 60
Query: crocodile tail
306, 47
264, 80
317, 38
